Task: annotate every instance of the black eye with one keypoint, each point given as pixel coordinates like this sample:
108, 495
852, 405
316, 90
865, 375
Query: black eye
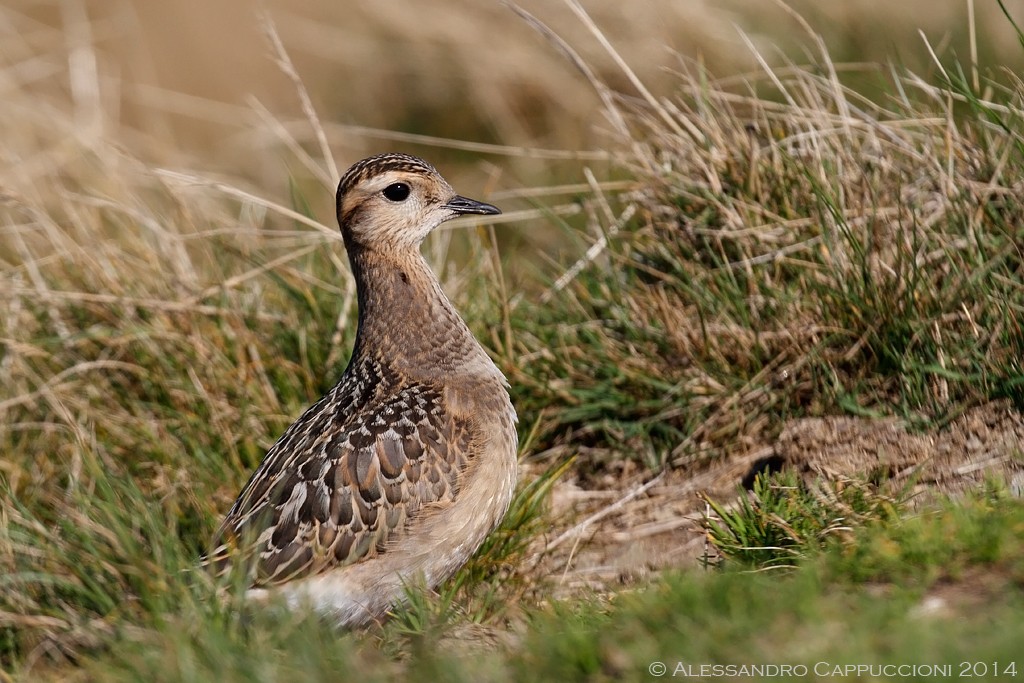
396, 192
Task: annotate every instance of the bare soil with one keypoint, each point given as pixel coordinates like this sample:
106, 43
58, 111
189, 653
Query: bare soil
618, 533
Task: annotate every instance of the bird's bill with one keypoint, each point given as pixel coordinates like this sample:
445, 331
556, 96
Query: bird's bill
463, 205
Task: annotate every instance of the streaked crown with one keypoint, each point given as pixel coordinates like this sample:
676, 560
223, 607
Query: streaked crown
394, 200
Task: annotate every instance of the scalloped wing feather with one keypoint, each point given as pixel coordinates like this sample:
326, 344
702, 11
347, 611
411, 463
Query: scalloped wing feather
343, 480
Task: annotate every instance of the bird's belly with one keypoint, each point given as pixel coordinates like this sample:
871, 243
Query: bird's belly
433, 547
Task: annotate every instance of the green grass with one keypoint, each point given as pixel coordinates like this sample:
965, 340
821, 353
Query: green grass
788, 248
744, 619
827, 610
982, 535
783, 519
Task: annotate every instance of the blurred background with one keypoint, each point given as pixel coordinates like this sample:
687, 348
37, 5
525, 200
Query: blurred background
199, 78
196, 85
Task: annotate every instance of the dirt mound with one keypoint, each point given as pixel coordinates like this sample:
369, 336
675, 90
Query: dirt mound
985, 442
618, 536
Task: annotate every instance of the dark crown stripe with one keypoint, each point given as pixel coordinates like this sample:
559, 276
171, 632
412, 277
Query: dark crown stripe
375, 165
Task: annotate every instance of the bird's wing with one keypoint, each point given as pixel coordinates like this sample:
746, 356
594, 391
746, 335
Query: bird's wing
343, 480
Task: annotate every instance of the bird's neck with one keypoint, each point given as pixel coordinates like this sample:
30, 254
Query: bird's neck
406, 321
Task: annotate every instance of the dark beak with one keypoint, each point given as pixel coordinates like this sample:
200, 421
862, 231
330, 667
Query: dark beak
463, 205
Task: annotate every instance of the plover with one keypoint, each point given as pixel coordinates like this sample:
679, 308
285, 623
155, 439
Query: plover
401, 470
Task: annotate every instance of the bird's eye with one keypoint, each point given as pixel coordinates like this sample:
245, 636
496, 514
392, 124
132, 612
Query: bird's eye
396, 192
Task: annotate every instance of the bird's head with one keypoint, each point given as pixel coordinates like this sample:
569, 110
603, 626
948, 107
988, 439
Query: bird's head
394, 200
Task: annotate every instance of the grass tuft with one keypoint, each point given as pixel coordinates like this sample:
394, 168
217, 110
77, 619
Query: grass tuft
795, 250
783, 520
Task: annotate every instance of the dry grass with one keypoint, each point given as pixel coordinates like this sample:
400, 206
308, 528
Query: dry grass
802, 250
760, 246
167, 77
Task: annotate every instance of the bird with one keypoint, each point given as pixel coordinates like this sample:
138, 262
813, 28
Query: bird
399, 472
